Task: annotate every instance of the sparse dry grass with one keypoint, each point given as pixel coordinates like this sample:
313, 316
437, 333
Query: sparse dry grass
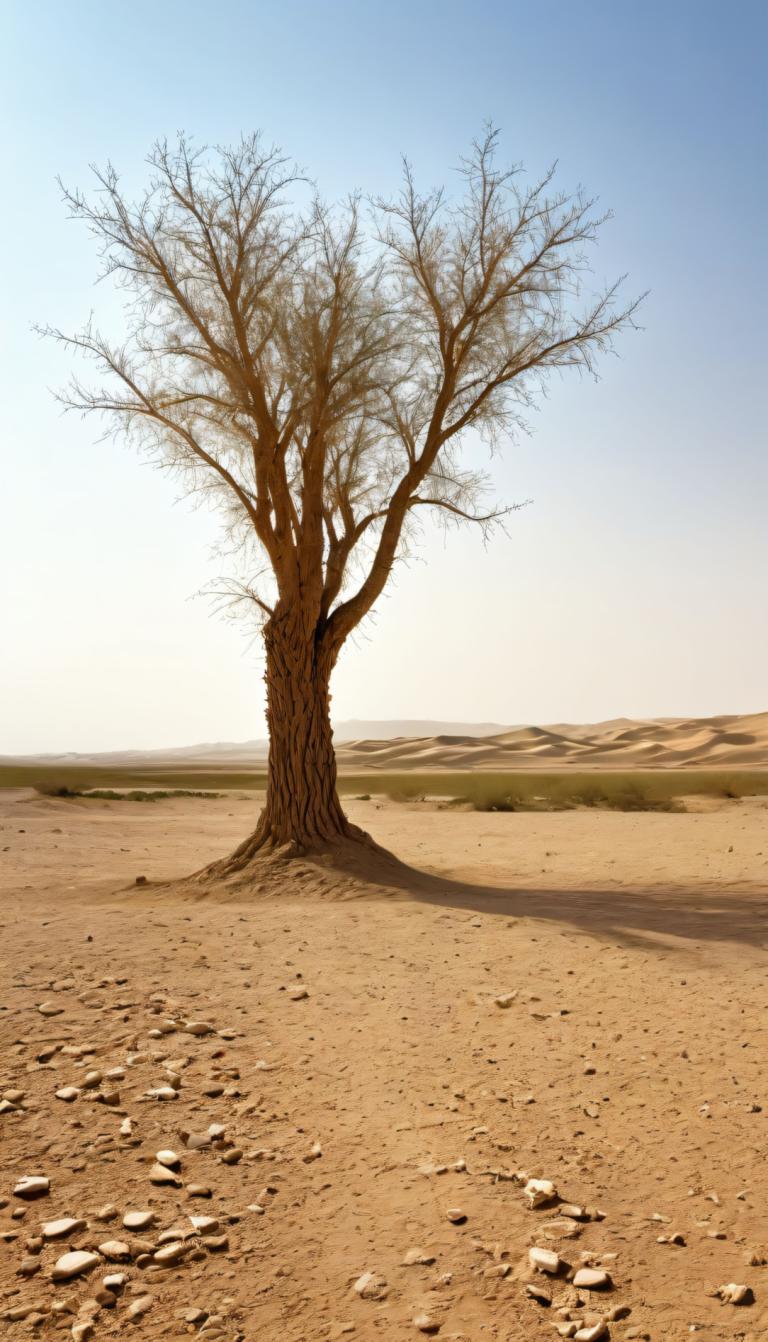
625, 790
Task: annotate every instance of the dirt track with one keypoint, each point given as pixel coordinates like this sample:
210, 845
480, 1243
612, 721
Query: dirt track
637, 947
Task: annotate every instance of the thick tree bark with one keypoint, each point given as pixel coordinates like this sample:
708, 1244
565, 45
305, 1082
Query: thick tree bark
302, 806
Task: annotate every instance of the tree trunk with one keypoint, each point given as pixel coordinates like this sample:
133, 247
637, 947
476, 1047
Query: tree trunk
302, 805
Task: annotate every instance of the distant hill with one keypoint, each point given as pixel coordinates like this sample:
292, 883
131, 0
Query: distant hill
386, 729
736, 741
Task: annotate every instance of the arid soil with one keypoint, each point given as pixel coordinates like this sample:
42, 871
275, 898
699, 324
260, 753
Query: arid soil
387, 1119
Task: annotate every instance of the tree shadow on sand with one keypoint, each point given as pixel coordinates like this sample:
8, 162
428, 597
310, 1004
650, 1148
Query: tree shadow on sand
631, 917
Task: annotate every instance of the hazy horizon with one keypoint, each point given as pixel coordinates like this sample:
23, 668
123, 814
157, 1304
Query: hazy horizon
634, 583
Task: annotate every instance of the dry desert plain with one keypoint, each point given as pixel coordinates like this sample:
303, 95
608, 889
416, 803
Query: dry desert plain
356, 1079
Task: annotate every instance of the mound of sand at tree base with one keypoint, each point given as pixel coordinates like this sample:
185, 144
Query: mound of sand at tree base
578, 997
728, 741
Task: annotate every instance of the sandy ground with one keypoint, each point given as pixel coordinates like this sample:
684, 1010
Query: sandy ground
629, 1068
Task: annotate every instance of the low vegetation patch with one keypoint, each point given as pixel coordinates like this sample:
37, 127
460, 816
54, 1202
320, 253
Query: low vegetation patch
109, 794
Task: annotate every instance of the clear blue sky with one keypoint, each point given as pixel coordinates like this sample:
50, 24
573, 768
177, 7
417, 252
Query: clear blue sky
637, 581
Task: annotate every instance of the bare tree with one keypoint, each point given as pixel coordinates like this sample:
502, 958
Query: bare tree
322, 379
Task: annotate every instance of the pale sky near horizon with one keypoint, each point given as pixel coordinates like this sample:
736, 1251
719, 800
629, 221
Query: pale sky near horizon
634, 584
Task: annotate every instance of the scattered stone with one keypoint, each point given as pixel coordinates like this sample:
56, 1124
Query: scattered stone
216, 1243
371, 1286
106, 1213
171, 1253
314, 1153
74, 1265
544, 1260
195, 1315
110, 1097
539, 1192
417, 1258
162, 1093
140, 1306
592, 1332
505, 1000
32, 1186
197, 1027
204, 1225
115, 1249
573, 1211
68, 1094
591, 1279
50, 1009
536, 1292
199, 1191
233, 1156
126, 1128
736, 1294
298, 994
114, 1281
456, 1216
67, 1225
168, 1158
426, 1324
138, 1220
92, 1079
160, 1174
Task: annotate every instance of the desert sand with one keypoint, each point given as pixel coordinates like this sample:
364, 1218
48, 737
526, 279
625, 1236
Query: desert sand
577, 997
736, 741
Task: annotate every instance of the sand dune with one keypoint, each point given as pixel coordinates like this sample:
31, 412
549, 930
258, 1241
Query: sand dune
726, 741
729, 740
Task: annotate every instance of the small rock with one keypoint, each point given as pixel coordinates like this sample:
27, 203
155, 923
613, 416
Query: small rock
592, 1332
216, 1243
591, 1279
67, 1094
198, 1191
298, 994
426, 1324
544, 1260
736, 1294
171, 1253
74, 1265
114, 1281
417, 1257
92, 1079
197, 1027
106, 1213
162, 1093
456, 1216
168, 1158
160, 1174
205, 1225
50, 1009
536, 1292
371, 1286
539, 1192
31, 1186
115, 1249
67, 1225
140, 1306
505, 1000
233, 1156
138, 1220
